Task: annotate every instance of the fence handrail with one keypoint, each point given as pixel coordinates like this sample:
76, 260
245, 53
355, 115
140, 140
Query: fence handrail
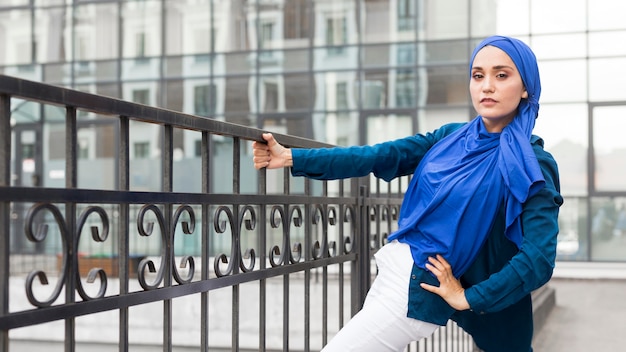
305, 231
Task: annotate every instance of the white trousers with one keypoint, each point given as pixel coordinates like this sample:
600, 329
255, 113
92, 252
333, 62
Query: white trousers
382, 324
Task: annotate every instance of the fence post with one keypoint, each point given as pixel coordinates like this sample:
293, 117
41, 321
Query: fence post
362, 272
5, 216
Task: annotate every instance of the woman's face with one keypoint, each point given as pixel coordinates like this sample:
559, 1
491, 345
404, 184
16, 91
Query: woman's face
496, 87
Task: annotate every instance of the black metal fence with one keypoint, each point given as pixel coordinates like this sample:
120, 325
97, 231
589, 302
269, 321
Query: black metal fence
250, 260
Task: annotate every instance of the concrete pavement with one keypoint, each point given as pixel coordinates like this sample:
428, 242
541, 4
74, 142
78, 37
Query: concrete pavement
589, 314
590, 310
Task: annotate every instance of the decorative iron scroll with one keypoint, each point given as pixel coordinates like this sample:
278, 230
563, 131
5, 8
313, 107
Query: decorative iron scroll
284, 253
235, 225
146, 228
69, 250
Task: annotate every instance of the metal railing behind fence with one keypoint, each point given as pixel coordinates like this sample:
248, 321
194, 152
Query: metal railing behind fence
272, 263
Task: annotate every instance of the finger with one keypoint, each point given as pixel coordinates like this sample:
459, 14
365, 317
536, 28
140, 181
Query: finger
433, 269
429, 288
260, 165
259, 146
436, 263
443, 261
269, 138
260, 152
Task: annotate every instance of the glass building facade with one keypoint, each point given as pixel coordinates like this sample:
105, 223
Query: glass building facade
343, 72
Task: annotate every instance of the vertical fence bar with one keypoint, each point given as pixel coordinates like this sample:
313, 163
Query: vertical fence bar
168, 182
262, 190
236, 288
5, 212
71, 182
286, 190
340, 251
123, 227
362, 272
308, 239
324, 249
206, 223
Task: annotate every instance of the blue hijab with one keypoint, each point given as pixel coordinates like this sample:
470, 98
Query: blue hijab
466, 178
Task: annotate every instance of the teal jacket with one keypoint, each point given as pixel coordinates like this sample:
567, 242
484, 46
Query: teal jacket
499, 282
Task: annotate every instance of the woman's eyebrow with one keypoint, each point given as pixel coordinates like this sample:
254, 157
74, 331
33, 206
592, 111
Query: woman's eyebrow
497, 67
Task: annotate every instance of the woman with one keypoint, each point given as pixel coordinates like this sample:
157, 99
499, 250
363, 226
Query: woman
478, 224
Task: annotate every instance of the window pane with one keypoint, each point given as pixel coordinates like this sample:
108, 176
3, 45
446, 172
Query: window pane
446, 19
95, 32
572, 16
338, 23
441, 52
142, 28
17, 45
609, 124
431, 119
560, 46
188, 30
447, 85
564, 130
604, 81
374, 89
233, 22
608, 223
236, 95
563, 81
573, 241
297, 91
607, 14
512, 17
605, 43
389, 20
326, 89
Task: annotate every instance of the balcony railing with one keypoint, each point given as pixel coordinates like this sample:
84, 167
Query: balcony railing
271, 263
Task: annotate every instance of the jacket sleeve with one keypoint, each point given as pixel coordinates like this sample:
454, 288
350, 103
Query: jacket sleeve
386, 160
532, 266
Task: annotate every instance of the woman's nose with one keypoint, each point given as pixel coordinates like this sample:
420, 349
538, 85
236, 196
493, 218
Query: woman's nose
487, 84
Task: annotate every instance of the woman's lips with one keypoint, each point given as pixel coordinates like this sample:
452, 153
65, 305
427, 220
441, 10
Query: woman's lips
488, 101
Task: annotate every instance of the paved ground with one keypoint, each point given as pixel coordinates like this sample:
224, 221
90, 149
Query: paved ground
590, 313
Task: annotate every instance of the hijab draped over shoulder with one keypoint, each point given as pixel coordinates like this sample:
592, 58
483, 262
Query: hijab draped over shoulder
465, 179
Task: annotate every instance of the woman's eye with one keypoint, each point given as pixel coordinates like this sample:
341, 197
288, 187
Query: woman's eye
477, 76
501, 75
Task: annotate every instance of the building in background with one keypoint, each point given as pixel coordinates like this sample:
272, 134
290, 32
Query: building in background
343, 72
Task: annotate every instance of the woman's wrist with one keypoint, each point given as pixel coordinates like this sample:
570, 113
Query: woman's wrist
288, 158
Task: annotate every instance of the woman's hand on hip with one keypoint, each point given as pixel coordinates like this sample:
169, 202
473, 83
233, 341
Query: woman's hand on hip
450, 288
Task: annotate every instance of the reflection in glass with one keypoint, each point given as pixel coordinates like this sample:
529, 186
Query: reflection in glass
608, 228
563, 81
188, 30
452, 19
447, 85
607, 15
142, 29
609, 146
560, 46
17, 45
431, 119
382, 128
603, 43
335, 25
571, 20
564, 130
505, 23
388, 19
97, 150
95, 32
604, 84
572, 241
